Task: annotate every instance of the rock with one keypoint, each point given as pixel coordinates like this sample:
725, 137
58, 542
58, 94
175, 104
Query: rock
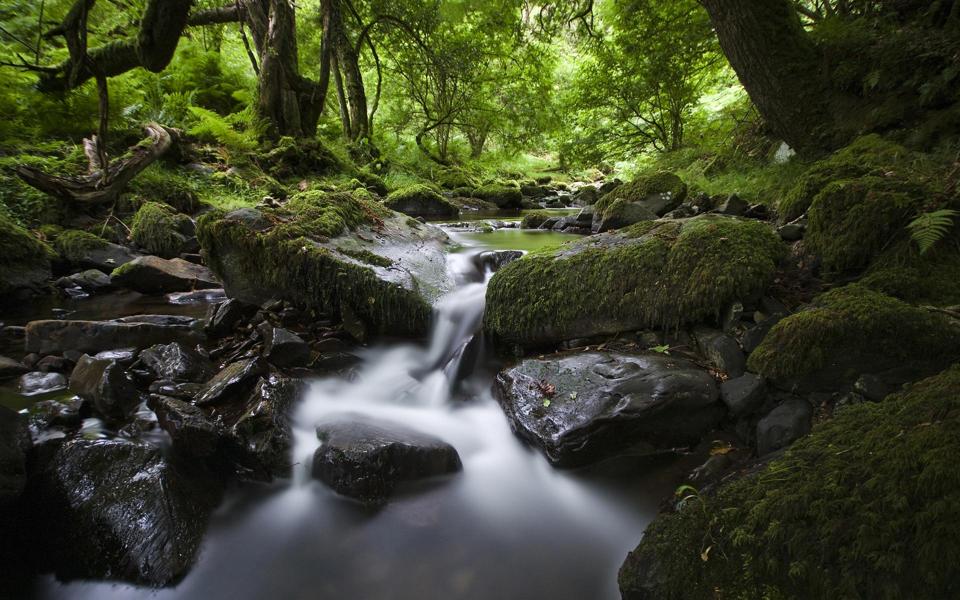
50, 414
36, 382
754, 335
586, 196
154, 275
25, 266
421, 201
785, 424
791, 232
183, 391
743, 394
233, 382
622, 215
732, 206
666, 273
105, 384
227, 315
873, 387
10, 368
56, 337
176, 363
124, 356
54, 364
106, 257
192, 431
14, 446
643, 199
364, 251
581, 408
91, 281
117, 509
721, 351
366, 458
263, 427
283, 348
492, 261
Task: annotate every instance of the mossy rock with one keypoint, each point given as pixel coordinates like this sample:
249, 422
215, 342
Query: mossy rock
851, 331
931, 278
26, 260
868, 155
160, 229
421, 201
372, 182
73, 245
303, 157
336, 253
864, 507
169, 187
655, 274
453, 179
502, 195
533, 220
643, 199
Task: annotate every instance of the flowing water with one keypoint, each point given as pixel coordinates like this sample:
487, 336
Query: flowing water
508, 526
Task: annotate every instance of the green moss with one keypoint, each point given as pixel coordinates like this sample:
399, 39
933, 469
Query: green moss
452, 179
368, 257
73, 245
168, 186
303, 157
851, 221
868, 155
930, 279
641, 188
533, 220
501, 195
420, 200
663, 275
327, 215
158, 229
372, 182
25, 258
864, 507
853, 330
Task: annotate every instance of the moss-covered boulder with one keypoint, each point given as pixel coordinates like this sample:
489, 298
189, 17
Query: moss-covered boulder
159, 229
533, 220
868, 155
851, 331
504, 196
643, 199
930, 278
421, 201
453, 179
340, 254
864, 507
26, 260
84, 249
303, 157
654, 274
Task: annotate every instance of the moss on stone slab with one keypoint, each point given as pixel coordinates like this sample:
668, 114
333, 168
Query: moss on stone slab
642, 188
864, 507
158, 228
26, 260
73, 245
368, 257
932, 278
660, 275
854, 330
504, 196
533, 220
420, 201
326, 215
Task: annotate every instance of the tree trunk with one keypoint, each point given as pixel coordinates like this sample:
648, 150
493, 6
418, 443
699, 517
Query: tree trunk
777, 63
341, 97
349, 61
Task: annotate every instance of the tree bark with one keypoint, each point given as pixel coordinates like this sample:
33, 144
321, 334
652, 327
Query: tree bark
348, 60
777, 63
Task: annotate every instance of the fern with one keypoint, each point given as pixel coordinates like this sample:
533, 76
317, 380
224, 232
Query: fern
223, 130
929, 228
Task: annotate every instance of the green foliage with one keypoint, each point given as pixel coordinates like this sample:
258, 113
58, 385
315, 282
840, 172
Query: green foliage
159, 229
232, 132
929, 228
860, 508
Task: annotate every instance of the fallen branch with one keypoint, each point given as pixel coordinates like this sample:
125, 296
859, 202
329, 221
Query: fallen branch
101, 186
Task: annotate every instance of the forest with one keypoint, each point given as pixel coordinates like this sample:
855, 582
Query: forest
479, 299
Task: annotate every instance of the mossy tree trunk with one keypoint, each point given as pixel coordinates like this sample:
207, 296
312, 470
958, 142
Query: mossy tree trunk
777, 63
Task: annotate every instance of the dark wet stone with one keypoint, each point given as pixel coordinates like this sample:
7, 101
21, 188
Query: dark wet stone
54, 364
494, 260
193, 432
91, 281
263, 428
155, 275
366, 459
184, 391
177, 363
56, 337
106, 385
124, 356
743, 394
34, 383
283, 348
49, 414
785, 424
116, 509
227, 315
232, 384
721, 350
733, 206
107, 257
14, 445
580, 408
10, 368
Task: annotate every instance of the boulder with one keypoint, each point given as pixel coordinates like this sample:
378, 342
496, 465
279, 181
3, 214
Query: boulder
784, 425
580, 408
191, 429
504, 197
177, 363
732, 206
649, 276
234, 382
644, 199
283, 348
721, 351
154, 275
227, 315
334, 253
105, 383
37, 382
14, 446
88, 251
26, 260
743, 394
10, 368
263, 428
494, 260
421, 201
56, 337
366, 459
91, 281
117, 509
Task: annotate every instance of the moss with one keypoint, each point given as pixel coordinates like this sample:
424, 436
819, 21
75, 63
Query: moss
453, 179
327, 215
864, 507
868, 155
931, 279
25, 258
533, 220
663, 275
641, 188
366, 256
372, 182
169, 187
304, 157
853, 330
501, 195
421, 201
158, 229
73, 245
851, 221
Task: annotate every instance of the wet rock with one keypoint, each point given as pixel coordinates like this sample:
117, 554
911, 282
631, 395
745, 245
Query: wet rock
227, 315
14, 445
193, 432
873, 387
56, 337
283, 348
627, 214
154, 275
91, 281
37, 382
733, 206
54, 364
263, 428
493, 260
366, 458
10, 368
176, 363
232, 383
106, 257
115, 509
124, 356
183, 391
49, 414
743, 394
754, 336
581, 408
786, 423
208, 296
721, 350
105, 384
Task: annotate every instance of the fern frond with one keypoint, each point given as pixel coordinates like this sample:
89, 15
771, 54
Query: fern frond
929, 228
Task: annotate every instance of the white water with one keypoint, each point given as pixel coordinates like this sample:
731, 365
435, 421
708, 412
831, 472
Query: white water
508, 526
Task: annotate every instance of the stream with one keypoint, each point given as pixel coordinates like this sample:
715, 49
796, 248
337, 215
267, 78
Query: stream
508, 526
